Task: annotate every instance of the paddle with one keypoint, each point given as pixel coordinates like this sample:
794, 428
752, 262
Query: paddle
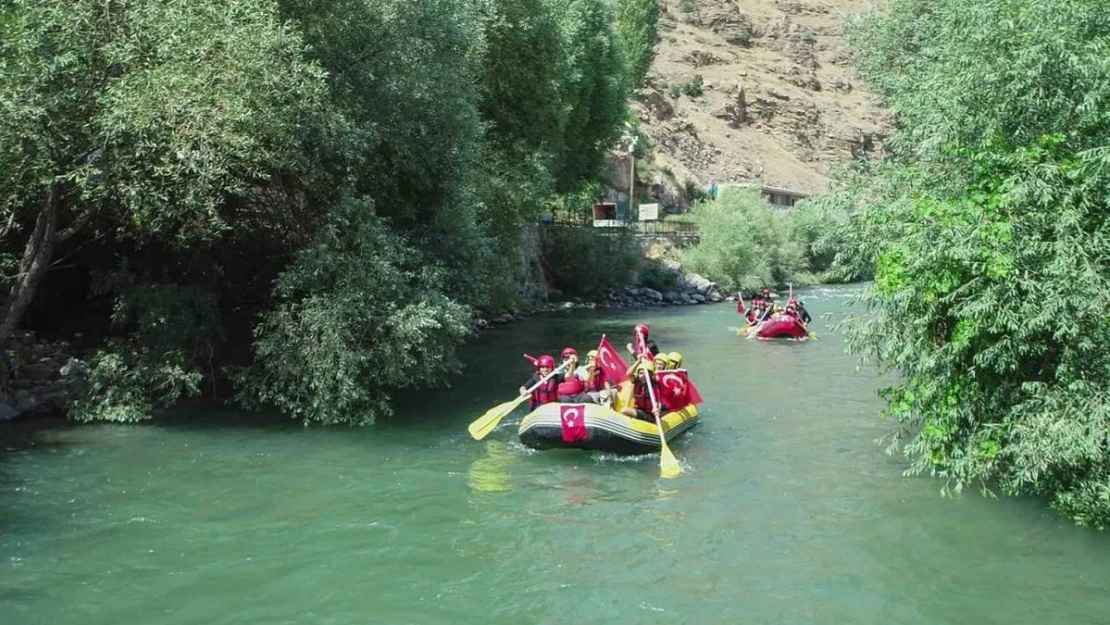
486, 423
668, 464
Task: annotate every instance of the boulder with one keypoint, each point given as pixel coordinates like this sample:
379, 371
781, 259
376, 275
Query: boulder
715, 297
652, 294
698, 297
696, 283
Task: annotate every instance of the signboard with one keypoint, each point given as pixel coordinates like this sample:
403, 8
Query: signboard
649, 212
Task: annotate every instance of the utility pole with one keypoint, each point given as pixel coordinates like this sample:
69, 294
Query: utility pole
632, 179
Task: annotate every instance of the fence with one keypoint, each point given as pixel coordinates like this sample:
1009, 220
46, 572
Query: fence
682, 233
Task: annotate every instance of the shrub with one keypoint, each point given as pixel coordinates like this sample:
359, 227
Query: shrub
359, 314
744, 245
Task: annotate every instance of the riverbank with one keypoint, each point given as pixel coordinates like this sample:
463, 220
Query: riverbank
689, 290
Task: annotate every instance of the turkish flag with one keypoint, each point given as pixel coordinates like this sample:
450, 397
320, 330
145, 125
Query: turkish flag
611, 363
676, 390
573, 417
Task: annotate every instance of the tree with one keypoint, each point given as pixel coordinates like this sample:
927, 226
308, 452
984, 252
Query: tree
743, 244
637, 21
593, 93
144, 119
988, 226
359, 313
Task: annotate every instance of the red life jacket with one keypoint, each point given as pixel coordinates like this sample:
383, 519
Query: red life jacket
596, 381
572, 386
640, 396
545, 393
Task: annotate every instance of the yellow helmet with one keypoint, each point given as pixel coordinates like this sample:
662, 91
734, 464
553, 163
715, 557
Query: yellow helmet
649, 365
675, 358
661, 360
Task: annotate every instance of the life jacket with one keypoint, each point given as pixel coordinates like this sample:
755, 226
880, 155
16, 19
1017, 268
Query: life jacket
596, 381
545, 393
571, 386
640, 397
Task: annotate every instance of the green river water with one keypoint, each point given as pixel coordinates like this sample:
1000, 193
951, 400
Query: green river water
788, 512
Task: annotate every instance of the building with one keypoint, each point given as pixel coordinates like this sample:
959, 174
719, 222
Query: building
777, 197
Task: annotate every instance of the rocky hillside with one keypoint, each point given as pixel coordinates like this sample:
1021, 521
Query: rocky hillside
741, 89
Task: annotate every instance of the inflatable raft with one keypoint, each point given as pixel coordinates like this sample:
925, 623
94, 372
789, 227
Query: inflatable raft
780, 329
594, 427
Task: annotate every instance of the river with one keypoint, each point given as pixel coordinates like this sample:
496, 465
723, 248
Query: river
788, 510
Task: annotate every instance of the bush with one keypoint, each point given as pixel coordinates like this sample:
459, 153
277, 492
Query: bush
173, 331
654, 275
359, 314
744, 245
693, 87
987, 226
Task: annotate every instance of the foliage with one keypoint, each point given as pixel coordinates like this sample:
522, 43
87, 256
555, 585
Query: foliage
637, 22
744, 245
823, 227
172, 334
154, 110
359, 313
988, 229
693, 87
593, 92
205, 140
655, 275
586, 262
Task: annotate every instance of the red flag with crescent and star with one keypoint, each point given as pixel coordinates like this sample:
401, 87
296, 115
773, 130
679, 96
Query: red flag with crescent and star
676, 390
611, 363
573, 418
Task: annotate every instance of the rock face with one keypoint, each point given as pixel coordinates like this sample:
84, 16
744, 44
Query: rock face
40, 377
779, 100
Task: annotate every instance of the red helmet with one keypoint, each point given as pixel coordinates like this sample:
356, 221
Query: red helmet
641, 329
570, 351
545, 361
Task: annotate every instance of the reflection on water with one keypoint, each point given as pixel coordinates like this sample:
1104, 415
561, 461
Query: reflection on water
490, 473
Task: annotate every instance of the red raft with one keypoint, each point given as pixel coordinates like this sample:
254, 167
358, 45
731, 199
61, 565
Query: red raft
780, 329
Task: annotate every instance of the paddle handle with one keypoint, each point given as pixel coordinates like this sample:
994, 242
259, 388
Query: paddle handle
542, 380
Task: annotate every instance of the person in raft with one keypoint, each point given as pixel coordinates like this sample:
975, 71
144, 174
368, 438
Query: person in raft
651, 346
803, 314
642, 407
548, 391
597, 388
571, 388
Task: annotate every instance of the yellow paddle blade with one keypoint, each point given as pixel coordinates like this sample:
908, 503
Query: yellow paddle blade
669, 468
487, 423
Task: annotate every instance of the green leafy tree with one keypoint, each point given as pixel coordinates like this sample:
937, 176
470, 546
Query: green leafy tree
359, 314
637, 21
144, 119
593, 93
743, 244
988, 230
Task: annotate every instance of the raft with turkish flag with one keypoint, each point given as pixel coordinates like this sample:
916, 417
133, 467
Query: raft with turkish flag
597, 428
604, 428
